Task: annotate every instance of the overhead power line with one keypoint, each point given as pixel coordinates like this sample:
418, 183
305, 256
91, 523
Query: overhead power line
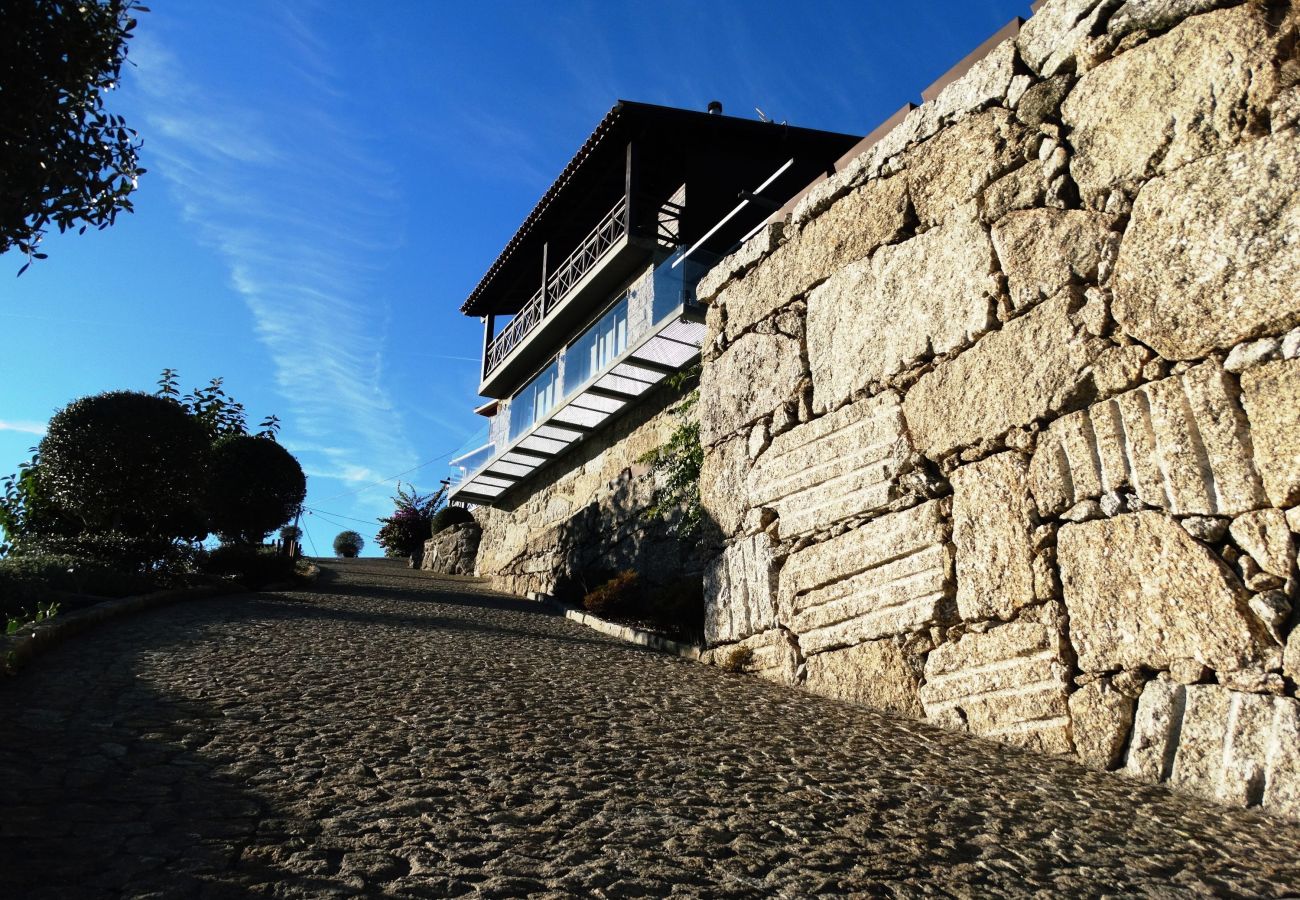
366, 487
325, 512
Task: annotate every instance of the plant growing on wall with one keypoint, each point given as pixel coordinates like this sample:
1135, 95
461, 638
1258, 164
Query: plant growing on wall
678, 460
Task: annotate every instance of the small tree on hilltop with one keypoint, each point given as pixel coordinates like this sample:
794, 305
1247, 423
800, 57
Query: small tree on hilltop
63, 160
254, 487
404, 532
348, 544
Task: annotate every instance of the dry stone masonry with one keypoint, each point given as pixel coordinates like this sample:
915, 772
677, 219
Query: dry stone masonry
582, 517
1002, 425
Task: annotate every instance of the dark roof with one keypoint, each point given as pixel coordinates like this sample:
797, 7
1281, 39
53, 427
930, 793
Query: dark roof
659, 126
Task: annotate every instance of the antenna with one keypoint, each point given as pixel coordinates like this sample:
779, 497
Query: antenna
762, 116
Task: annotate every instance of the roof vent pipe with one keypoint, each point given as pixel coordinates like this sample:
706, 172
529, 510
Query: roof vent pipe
715, 107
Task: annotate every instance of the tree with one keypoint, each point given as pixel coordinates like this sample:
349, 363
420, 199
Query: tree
26, 510
348, 544
405, 531
64, 161
218, 412
290, 533
254, 487
127, 462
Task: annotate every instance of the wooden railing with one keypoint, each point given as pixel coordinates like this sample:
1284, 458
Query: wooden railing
566, 276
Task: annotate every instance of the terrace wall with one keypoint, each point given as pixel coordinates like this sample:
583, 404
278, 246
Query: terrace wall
1003, 425
581, 518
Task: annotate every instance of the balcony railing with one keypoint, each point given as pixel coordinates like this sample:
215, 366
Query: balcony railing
601, 239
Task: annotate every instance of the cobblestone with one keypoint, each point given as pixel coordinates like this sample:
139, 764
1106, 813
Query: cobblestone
396, 733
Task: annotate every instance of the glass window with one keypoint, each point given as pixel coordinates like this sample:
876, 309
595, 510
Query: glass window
535, 400
597, 347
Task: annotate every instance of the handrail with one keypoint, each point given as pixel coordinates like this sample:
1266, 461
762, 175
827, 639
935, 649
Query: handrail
599, 241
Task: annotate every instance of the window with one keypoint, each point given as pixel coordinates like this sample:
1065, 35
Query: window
535, 400
597, 347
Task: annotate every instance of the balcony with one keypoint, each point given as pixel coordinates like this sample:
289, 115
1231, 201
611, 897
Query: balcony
664, 331
602, 260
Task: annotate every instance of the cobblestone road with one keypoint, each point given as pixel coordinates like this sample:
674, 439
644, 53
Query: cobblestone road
396, 734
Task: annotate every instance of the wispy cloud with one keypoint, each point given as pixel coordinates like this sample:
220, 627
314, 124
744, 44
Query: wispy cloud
22, 427
296, 200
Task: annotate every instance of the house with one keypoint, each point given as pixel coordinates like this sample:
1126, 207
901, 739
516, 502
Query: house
590, 306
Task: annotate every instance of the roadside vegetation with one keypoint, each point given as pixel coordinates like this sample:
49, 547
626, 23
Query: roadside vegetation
402, 535
348, 544
125, 490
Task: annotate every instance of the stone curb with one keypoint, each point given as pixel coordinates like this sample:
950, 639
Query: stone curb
17, 650
638, 636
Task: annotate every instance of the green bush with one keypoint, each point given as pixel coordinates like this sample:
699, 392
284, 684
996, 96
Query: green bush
39, 578
348, 544
404, 532
26, 510
253, 567
618, 595
449, 516
127, 462
149, 555
254, 487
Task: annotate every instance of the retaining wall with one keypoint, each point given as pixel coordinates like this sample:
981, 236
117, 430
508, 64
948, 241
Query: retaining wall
1003, 425
582, 517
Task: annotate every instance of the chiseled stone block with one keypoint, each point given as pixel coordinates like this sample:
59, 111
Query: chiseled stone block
891, 576
874, 318
740, 591
950, 169
1009, 378
875, 674
850, 229
772, 655
1269, 394
1047, 42
992, 526
1176, 98
841, 465
1008, 683
1181, 444
1100, 719
755, 375
1143, 593
723, 495
983, 84
1282, 765
1229, 746
1264, 534
1155, 731
1043, 250
1211, 256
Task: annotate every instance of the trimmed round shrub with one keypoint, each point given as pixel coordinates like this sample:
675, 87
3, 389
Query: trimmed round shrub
128, 462
449, 516
254, 487
348, 544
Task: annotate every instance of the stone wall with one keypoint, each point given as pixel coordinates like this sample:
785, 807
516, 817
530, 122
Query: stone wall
581, 518
1003, 425
454, 550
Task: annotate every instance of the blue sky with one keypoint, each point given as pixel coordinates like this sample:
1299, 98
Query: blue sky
328, 181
